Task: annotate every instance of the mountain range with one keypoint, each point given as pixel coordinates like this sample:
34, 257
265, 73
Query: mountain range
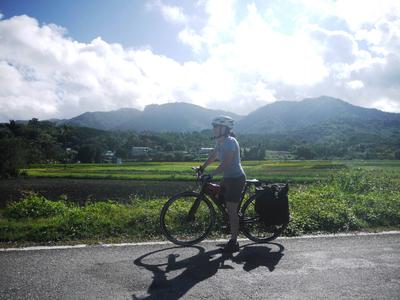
169, 117
322, 114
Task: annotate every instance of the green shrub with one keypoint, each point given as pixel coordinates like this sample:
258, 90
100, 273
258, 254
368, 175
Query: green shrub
378, 209
34, 206
362, 181
144, 220
350, 200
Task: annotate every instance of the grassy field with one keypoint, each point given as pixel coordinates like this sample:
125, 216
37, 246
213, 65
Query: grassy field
291, 171
328, 196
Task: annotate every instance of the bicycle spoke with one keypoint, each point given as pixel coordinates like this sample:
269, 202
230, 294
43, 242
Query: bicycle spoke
182, 227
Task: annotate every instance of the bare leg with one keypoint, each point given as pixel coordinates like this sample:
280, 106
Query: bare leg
233, 219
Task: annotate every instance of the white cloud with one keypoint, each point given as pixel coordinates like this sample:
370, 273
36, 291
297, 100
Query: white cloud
338, 46
46, 74
252, 47
173, 14
386, 105
189, 37
357, 13
221, 19
20, 96
355, 84
219, 26
244, 60
363, 58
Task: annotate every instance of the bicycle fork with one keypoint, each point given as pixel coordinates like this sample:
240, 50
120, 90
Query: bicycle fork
191, 215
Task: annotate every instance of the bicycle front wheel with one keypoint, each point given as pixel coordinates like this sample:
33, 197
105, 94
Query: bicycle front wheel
186, 219
254, 228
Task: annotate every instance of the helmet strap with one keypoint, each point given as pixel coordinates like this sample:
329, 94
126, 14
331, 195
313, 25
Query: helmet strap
225, 134
227, 130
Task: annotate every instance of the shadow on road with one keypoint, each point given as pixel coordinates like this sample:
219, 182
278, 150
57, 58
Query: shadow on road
253, 256
199, 267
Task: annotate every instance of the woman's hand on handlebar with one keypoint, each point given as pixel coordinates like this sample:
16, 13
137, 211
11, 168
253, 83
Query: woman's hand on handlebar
202, 177
205, 177
199, 170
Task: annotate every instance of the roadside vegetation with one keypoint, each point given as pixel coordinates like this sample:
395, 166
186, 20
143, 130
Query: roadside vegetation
356, 199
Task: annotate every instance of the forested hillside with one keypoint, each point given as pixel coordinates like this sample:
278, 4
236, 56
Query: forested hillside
288, 117
175, 117
44, 142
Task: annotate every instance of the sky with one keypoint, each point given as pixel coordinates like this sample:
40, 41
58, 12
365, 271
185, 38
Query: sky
59, 59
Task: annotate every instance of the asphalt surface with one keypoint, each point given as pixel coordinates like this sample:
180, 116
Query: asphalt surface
340, 267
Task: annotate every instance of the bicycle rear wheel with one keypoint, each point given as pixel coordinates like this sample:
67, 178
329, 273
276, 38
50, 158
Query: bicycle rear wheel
179, 226
254, 228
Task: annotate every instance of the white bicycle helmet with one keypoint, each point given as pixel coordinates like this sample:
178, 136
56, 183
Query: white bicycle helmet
223, 121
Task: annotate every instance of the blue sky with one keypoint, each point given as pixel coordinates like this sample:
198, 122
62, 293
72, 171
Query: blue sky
61, 58
127, 22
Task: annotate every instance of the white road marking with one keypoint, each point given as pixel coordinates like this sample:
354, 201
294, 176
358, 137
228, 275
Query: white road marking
35, 248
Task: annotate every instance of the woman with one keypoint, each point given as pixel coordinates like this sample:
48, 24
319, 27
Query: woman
227, 150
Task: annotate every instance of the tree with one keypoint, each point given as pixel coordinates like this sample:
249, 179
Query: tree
122, 152
12, 157
89, 153
34, 122
169, 147
303, 152
14, 128
254, 153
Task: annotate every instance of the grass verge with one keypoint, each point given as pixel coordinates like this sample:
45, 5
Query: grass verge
348, 201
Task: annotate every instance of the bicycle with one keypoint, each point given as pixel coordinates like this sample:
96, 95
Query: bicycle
188, 218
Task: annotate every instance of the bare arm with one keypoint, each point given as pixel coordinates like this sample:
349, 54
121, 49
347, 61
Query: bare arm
228, 157
211, 158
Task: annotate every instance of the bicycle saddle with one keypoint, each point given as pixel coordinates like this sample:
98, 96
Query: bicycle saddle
252, 181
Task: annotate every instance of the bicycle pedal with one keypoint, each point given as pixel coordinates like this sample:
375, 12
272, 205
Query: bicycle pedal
225, 229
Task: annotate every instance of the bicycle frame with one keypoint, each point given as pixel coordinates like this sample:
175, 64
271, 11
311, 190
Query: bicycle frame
221, 207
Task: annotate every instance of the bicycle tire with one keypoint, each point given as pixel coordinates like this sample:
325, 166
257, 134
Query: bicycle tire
252, 226
175, 224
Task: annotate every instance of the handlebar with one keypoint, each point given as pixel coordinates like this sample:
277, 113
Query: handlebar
199, 173
197, 170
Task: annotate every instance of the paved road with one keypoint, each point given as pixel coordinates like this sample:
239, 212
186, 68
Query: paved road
344, 267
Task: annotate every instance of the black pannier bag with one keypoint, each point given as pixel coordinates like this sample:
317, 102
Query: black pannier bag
272, 203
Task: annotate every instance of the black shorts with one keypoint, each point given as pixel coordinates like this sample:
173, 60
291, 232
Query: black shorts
233, 188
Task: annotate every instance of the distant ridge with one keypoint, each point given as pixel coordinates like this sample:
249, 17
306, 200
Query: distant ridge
283, 116
169, 117
103, 120
312, 116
